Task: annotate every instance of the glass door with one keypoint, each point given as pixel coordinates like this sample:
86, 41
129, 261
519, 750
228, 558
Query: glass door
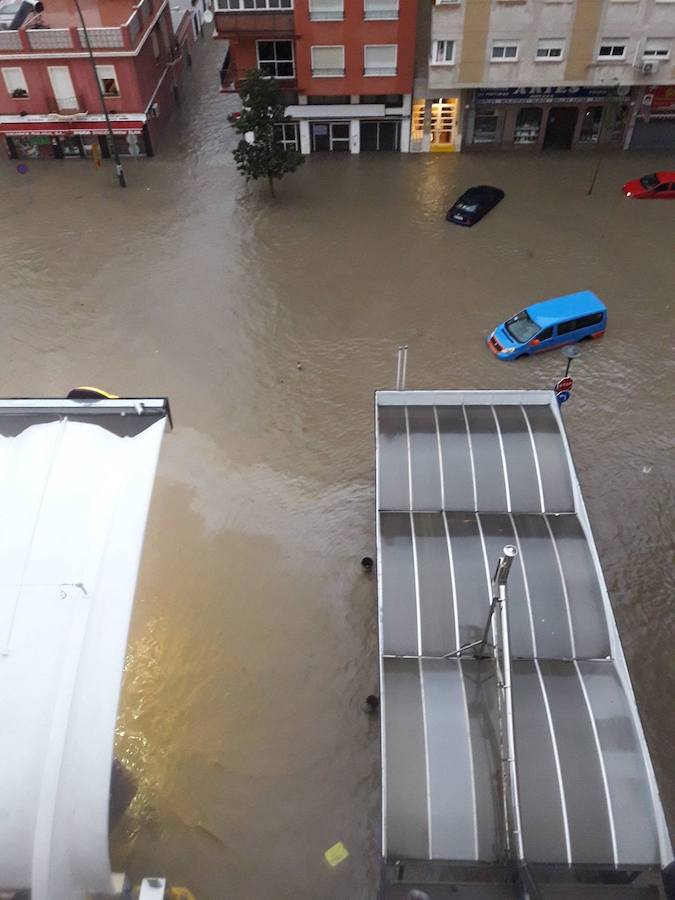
339, 136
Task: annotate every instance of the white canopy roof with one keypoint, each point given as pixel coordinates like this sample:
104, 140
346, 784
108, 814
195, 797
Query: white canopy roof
75, 485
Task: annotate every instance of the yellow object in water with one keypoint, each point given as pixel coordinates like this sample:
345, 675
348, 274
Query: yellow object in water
336, 854
181, 893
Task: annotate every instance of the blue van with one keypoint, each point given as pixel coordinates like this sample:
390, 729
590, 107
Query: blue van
550, 324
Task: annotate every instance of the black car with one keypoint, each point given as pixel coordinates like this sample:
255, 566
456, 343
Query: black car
474, 204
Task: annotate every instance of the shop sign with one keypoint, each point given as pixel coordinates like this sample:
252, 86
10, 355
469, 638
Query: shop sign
550, 94
660, 98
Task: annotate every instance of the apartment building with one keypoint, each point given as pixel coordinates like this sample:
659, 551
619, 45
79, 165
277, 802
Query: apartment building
50, 105
537, 74
346, 67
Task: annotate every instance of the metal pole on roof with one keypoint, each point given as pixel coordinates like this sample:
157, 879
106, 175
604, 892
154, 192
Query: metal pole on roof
401, 367
111, 138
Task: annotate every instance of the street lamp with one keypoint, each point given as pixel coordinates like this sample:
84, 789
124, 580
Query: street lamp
111, 138
570, 352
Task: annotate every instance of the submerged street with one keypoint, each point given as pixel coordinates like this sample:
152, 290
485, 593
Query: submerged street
269, 324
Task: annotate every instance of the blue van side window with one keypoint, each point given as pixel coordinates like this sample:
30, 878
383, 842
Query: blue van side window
546, 334
587, 321
566, 327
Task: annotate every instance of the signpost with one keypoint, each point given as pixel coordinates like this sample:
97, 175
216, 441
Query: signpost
563, 387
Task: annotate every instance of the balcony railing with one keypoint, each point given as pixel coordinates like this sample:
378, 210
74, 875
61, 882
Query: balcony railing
47, 40
65, 106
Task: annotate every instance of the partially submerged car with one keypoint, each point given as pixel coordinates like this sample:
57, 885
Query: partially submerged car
549, 324
474, 204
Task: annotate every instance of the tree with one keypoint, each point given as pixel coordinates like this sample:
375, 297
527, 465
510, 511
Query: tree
260, 154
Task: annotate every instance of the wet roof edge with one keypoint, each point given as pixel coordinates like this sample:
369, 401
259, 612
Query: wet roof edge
138, 406
517, 398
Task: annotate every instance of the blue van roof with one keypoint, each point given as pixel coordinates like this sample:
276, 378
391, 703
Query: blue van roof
548, 312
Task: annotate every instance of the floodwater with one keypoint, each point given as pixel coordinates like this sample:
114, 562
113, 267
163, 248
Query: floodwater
269, 324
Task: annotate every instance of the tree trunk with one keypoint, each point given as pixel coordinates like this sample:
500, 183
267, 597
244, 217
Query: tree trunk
271, 182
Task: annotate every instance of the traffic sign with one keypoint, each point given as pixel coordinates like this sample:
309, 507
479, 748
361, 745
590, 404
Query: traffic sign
565, 384
562, 397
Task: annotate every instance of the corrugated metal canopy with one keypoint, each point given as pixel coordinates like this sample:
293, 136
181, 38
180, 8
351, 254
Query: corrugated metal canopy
459, 475
75, 482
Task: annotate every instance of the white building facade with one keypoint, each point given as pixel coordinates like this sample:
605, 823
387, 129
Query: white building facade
539, 74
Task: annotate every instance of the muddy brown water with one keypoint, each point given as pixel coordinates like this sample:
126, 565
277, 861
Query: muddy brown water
253, 641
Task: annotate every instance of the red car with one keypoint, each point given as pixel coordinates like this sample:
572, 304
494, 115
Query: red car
658, 186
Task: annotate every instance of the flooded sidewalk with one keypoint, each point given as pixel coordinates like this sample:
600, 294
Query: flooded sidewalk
269, 324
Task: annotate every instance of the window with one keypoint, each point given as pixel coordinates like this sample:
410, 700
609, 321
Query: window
287, 135
655, 48
546, 333
587, 321
379, 59
326, 10
521, 327
328, 62
664, 186
649, 181
566, 327
328, 100
245, 5
442, 53
487, 128
528, 125
504, 51
591, 125
550, 50
612, 49
380, 9
391, 101
155, 43
275, 58
15, 83
108, 81
448, 2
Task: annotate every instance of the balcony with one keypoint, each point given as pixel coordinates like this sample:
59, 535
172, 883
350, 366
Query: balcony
233, 25
66, 106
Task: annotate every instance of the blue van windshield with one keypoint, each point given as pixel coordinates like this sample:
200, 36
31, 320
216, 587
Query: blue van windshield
522, 328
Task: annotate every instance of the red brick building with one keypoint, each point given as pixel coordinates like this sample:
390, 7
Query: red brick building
49, 101
345, 65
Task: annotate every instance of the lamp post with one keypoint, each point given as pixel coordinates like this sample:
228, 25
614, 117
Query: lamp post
111, 138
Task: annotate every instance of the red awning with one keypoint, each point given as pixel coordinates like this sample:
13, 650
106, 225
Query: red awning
62, 129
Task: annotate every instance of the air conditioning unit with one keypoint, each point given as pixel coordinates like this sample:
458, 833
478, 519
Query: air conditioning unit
647, 68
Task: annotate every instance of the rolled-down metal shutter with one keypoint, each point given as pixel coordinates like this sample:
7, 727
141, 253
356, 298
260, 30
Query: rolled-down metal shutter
654, 135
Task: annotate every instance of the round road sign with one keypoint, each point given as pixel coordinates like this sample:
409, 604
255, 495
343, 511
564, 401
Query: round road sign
562, 397
571, 351
565, 384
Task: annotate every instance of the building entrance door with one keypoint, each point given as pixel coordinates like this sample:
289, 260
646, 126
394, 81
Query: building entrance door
562, 120
443, 118
379, 136
339, 136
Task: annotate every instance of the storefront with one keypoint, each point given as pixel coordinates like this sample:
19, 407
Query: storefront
43, 139
559, 118
435, 125
655, 123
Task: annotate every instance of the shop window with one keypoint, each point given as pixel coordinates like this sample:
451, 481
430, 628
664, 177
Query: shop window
287, 135
379, 59
442, 53
618, 127
326, 10
504, 51
15, 83
591, 125
528, 125
275, 58
487, 127
108, 81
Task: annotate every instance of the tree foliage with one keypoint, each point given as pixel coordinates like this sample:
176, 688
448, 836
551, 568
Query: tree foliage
259, 154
